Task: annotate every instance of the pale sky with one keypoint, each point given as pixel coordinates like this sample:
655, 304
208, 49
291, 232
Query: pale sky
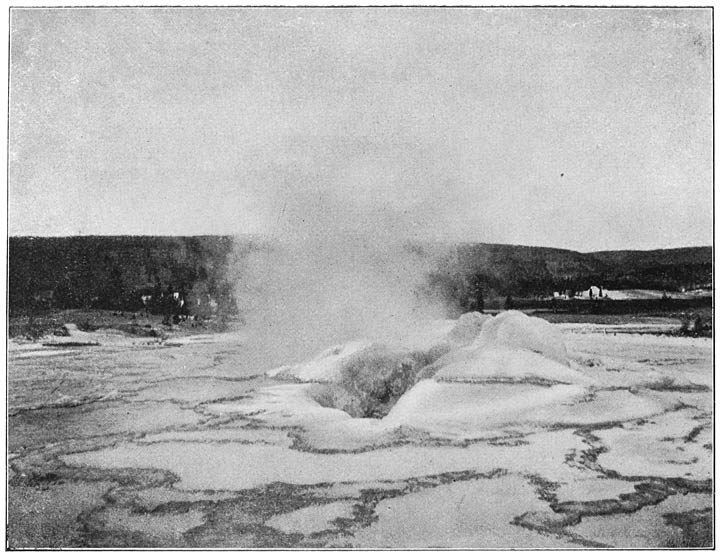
585, 129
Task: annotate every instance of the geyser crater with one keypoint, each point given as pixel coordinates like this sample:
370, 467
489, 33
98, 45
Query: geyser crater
372, 380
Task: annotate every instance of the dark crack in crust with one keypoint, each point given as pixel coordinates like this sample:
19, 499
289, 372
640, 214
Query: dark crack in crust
649, 491
240, 520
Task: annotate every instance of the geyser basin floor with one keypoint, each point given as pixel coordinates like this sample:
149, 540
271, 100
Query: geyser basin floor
190, 475
232, 466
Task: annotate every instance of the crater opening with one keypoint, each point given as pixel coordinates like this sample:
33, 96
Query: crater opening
372, 381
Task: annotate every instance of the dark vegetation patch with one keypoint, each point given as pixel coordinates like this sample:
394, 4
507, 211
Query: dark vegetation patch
526, 276
696, 324
51, 322
114, 272
606, 311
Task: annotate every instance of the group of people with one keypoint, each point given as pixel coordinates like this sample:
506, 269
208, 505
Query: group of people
170, 303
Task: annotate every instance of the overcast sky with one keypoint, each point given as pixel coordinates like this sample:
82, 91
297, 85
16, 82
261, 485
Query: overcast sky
585, 129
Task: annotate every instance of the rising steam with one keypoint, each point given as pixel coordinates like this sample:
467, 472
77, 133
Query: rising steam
332, 270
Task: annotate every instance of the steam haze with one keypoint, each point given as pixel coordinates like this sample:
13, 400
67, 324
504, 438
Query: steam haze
334, 270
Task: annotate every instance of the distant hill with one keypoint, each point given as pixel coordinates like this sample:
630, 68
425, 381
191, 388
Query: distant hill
536, 270
664, 269
113, 271
521, 270
498, 270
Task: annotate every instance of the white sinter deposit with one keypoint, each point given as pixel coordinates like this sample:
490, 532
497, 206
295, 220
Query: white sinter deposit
484, 377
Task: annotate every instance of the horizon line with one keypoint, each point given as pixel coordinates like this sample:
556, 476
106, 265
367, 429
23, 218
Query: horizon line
270, 238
